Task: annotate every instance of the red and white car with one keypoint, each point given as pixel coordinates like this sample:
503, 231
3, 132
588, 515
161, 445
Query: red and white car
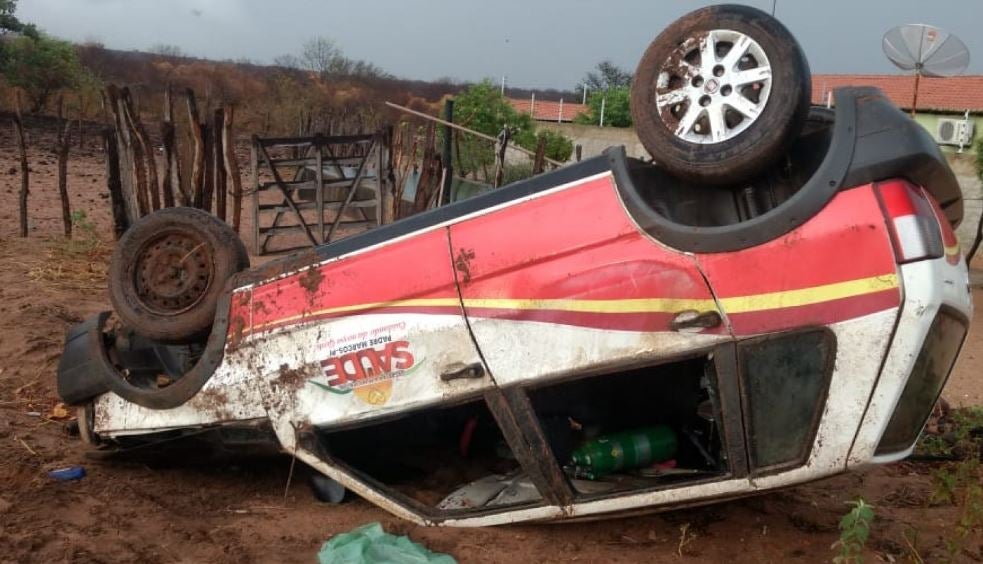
786, 328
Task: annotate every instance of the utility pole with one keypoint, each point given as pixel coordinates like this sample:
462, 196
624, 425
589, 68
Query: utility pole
503, 85
585, 94
603, 102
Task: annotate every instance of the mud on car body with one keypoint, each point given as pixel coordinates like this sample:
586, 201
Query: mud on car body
607, 338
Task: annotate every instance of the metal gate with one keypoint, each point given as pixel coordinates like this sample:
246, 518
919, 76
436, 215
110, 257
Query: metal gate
316, 188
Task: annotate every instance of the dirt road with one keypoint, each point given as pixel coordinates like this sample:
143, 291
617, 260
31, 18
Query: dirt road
184, 511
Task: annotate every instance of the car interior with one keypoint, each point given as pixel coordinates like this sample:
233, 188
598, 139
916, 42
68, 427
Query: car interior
457, 458
703, 205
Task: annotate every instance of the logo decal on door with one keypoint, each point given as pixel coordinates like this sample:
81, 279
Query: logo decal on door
368, 372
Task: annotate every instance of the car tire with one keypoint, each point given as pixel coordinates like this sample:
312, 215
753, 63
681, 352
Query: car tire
169, 270
724, 121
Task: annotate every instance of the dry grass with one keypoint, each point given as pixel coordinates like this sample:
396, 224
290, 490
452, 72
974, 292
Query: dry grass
64, 264
70, 271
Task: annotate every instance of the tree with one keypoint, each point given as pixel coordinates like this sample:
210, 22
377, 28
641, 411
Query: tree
288, 61
324, 57
320, 55
364, 69
559, 147
605, 76
482, 107
288, 100
41, 67
10, 24
617, 112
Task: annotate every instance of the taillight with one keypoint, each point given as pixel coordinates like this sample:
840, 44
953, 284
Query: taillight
915, 229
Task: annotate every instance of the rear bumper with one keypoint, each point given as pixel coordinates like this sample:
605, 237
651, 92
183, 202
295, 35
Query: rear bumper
88, 369
928, 286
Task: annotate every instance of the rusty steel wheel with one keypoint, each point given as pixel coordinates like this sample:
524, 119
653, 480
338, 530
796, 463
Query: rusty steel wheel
719, 93
169, 270
173, 272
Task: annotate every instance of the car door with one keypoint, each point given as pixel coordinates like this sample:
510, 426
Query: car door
563, 282
813, 312
375, 331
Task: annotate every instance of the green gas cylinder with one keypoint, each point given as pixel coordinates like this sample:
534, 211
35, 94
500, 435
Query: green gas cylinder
624, 451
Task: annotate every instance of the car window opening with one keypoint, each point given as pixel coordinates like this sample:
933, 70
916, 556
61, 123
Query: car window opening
785, 380
703, 205
148, 364
931, 370
646, 428
428, 455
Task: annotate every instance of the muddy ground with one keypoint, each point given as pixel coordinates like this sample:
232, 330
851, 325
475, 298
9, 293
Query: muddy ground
184, 511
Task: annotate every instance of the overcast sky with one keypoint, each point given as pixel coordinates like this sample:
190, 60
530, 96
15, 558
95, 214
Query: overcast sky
536, 43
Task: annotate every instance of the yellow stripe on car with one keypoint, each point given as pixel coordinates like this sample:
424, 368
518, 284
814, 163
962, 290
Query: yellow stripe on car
739, 304
809, 296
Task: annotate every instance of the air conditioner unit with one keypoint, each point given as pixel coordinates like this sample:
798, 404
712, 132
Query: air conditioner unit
951, 131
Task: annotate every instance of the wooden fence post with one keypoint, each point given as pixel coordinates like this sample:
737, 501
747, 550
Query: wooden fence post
232, 166
167, 141
61, 149
217, 157
198, 153
539, 161
448, 158
124, 156
503, 145
25, 181
120, 218
167, 183
254, 188
427, 172
209, 172
178, 187
146, 147
80, 116
134, 181
386, 185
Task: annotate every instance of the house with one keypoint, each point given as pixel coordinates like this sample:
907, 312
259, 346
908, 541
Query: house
943, 104
938, 99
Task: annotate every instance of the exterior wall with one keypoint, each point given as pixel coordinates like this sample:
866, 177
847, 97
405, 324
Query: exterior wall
595, 139
965, 168
930, 122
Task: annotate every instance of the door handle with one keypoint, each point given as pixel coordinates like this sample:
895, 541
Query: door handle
691, 321
463, 372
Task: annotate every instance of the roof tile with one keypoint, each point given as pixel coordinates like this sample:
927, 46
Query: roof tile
953, 94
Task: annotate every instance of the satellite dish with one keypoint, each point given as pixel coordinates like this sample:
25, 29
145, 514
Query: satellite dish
926, 50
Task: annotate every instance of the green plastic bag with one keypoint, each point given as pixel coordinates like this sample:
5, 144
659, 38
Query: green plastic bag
369, 544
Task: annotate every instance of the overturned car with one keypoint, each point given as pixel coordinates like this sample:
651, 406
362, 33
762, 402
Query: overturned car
779, 297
